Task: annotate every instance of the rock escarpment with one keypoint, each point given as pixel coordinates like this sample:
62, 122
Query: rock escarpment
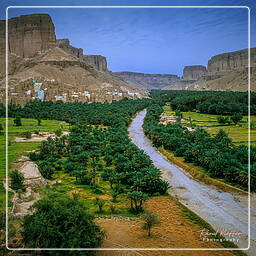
30, 34
193, 72
97, 61
148, 81
41, 67
228, 71
231, 61
65, 45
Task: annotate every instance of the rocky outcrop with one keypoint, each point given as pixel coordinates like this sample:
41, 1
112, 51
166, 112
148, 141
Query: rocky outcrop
193, 72
148, 81
97, 61
30, 34
65, 45
227, 71
33, 180
231, 61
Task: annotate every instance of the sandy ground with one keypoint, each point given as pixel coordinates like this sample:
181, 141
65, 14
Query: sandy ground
42, 137
173, 231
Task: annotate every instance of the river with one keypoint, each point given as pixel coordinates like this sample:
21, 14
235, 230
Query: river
224, 211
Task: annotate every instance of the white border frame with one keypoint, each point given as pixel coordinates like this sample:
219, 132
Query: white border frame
249, 119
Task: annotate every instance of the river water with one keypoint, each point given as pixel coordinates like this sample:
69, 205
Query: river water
224, 211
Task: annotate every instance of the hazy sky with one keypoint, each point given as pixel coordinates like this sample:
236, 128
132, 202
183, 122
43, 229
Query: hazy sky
149, 40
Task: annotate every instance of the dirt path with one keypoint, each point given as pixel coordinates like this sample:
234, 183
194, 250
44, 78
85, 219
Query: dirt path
224, 211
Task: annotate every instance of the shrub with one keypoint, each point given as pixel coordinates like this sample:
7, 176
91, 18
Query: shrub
1, 129
150, 219
17, 121
16, 180
39, 121
62, 223
58, 132
46, 169
27, 134
223, 119
113, 209
236, 118
100, 203
114, 196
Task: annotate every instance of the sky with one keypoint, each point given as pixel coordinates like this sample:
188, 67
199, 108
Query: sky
148, 40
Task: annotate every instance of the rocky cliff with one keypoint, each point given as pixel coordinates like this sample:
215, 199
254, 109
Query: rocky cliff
97, 61
42, 68
65, 45
193, 72
148, 81
228, 71
30, 34
27, 35
231, 61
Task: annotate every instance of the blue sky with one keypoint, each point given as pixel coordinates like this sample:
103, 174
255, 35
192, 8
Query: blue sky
149, 40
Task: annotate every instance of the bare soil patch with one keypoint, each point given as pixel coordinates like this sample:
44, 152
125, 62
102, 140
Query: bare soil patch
173, 231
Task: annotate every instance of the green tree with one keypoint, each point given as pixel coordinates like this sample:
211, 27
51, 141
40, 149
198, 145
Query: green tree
100, 203
150, 219
137, 198
17, 180
60, 222
236, 118
178, 113
58, 132
27, 134
1, 129
39, 121
17, 121
223, 119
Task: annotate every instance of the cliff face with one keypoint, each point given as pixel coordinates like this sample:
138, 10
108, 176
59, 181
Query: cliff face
65, 45
30, 34
97, 61
231, 61
148, 81
193, 72
228, 71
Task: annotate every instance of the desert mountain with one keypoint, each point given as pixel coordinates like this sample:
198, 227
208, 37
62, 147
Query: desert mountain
227, 71
148, 81
40, 66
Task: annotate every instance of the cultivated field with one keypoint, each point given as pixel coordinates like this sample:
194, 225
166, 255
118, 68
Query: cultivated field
17, 149
238, 133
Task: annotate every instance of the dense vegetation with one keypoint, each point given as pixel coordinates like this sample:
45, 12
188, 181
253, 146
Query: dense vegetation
61, 223
97, 146
96, 149
212, 102
215, 153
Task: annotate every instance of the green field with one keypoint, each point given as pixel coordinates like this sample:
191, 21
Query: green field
17, 149
238, 134
87, 195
